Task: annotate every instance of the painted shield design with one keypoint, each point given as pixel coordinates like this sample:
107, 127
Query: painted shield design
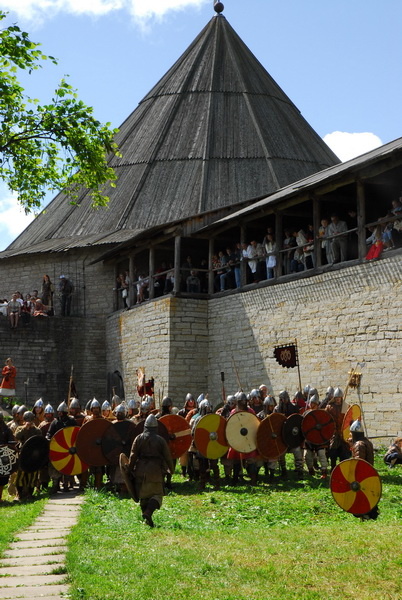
63, 452
291, 431
241, 431
8, 461
162, 430
210, 437
356, 486
179, 434
318, 427
352, 414
34, 454
128, 478
89, 442
270, 442
117, 439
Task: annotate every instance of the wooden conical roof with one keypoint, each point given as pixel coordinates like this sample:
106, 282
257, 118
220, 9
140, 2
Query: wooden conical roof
215, 131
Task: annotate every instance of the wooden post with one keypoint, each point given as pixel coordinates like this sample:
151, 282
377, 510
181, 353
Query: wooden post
177, 254
316, 226
243, 263
279, 243
361, 219
131, 275
151, 283
211, 274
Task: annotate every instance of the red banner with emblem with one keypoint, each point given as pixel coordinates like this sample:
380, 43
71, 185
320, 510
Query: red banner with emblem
286, 356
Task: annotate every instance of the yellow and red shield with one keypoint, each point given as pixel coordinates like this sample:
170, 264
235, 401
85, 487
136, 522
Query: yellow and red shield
63, 452
352, 414
210, 436
356, 486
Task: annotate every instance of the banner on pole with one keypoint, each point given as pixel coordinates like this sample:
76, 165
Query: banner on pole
286, 356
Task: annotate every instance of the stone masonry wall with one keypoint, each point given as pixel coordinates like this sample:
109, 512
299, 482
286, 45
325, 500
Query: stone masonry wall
339, 319
44, 350
169, 338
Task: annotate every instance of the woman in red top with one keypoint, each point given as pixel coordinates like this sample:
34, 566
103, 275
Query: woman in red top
9, 373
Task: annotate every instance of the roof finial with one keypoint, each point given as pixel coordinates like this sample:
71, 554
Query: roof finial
218, 6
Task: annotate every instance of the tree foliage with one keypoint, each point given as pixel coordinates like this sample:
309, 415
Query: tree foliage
51, 146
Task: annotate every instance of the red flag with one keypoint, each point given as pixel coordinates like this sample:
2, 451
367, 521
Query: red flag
286, 356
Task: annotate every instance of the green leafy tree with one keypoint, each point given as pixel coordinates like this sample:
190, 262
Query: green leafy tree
59, 145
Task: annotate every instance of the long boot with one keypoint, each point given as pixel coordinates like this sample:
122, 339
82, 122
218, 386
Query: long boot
271, 475
236, 473
184, 471
152, 506
284, 473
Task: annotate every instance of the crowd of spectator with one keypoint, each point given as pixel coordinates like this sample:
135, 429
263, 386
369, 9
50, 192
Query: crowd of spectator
336, 241
22, 307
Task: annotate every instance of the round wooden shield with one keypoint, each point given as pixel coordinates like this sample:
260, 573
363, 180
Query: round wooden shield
355, 486
34, 454
179, 434
8, 460
162, 430
318, 426
270, 442
241, 431
118, 439
209, 436
292, 433
89, 442
63, 452
352, 414
128, 478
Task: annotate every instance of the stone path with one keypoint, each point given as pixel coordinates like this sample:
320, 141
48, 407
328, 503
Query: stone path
28, 567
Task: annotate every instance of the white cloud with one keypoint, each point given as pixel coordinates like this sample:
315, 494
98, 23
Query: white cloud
141, 10
13, 219
349, 145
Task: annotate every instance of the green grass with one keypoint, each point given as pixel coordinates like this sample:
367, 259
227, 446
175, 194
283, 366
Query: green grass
17, 516
288, 540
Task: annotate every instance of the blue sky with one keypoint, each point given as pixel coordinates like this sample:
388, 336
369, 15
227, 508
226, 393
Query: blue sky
339, 61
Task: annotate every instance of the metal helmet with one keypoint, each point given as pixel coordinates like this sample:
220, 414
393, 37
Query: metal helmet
88, 405
255, 393
284, 395
121, 409
200, 398
49, 410
231, 401
167, 402
39, 403
15, 409
269, 401
75, 403
116, 400
29, 417
306, 389
338, 393
314, 399
131, 404
205, 407
22, 409
263, 387
151, 422
106, 405
356, 427
241, 400
330, 391
94, 404
62, 407
189, 397
145, 406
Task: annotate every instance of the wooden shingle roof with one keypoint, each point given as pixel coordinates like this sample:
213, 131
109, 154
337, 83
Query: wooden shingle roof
216, 130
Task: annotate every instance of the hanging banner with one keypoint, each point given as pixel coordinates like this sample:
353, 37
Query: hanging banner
286, 356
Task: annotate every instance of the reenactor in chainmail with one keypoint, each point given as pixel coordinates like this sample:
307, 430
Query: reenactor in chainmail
206, 465
268, 406
287, 408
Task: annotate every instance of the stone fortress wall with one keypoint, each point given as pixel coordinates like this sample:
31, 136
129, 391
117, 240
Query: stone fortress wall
340, 318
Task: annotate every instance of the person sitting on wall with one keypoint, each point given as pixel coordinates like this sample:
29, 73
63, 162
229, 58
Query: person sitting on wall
14, 311
40, 309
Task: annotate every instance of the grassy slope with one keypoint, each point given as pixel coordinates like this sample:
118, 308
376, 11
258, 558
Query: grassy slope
289, 540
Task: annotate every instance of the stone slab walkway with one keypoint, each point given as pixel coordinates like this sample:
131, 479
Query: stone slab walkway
30, 566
